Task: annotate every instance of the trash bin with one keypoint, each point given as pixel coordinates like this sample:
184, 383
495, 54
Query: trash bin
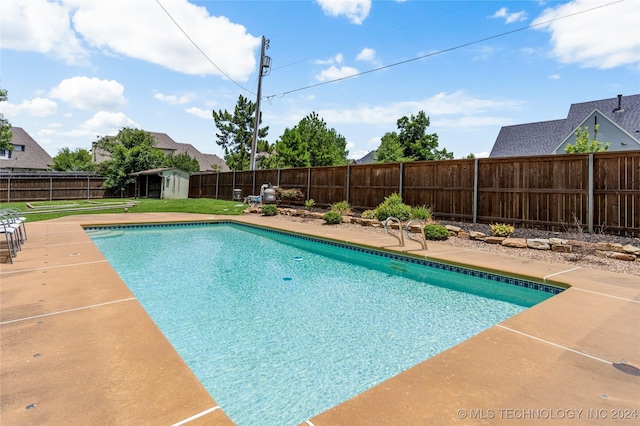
237, 195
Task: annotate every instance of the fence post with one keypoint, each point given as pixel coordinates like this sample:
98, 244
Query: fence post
308, 182
590, 201
88, 188
401, 180
253, 186
348, 182
8, 189
217, 183
50, 188
475, 190
278, 182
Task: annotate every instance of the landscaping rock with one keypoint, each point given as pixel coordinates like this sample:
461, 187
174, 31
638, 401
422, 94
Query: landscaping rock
453, 228
369, 222
631, 249
515, 242
607, 246
494, 240
616, 255
557, 241
463, 234
479, 236
538, 244
562, 248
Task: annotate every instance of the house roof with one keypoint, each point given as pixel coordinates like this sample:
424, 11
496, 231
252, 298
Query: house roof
367, 159
544, 137
165, 143
33, 157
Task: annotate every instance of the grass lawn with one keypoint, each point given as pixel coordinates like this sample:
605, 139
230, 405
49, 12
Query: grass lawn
43, 210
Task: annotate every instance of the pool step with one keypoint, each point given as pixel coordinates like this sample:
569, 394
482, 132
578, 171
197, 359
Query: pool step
103, 233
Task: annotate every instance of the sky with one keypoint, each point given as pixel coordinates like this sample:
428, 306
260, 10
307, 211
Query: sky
77, 70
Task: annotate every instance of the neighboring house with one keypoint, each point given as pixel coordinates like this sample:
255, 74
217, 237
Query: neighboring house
618, 120
169, 146
27, 155
370, 158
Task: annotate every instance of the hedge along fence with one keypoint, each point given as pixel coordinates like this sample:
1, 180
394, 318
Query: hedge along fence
601, 190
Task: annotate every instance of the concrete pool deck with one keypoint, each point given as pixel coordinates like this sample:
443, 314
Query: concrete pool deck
76, 347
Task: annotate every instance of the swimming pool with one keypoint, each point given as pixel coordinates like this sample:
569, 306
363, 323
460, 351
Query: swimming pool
280, 328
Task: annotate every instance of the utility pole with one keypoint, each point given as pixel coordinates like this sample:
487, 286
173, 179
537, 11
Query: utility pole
263, 71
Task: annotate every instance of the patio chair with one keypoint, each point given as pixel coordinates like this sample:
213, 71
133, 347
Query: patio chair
14, 218
9, 230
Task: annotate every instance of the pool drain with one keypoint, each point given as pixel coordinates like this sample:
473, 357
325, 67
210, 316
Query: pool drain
30, 407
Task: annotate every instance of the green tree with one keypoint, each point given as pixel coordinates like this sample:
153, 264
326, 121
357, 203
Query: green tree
414, 142
5, 126
236, 133
390, 150
181, 161
310, 144
78, 160
584, 143
131, 150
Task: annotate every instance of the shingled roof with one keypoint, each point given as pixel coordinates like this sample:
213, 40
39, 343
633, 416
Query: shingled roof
165, 143
28, 155
545, 137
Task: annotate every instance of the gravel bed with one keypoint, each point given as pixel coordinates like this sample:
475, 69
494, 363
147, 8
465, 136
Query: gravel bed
585, 260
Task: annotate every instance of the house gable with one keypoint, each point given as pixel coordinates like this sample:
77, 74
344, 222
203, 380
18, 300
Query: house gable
27, 155
618, 119
608, 131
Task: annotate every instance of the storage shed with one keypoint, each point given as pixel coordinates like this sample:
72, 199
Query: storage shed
168, 183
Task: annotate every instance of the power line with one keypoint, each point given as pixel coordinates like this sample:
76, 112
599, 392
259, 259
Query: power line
200, 50
460, 46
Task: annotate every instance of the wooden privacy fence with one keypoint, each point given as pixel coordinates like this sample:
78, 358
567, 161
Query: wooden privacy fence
50, 186
601, 191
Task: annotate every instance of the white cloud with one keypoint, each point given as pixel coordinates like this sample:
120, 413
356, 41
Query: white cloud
355, 10
510, 17
334, 73
604, 38
40, 26
90, 93
175, 99
137, 29
102, 124
554, 77
37, 107
199, 112
366, 54
446, 109
142, 30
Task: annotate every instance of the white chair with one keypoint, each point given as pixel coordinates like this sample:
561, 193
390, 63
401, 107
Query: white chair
14, 217
9, 230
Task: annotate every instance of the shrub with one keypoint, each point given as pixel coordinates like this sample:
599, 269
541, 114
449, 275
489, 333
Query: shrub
421, 213
393, 206
269, 210
309, 204
435, 232
502, 229
332, 218
368, 214
341, 207
289, 194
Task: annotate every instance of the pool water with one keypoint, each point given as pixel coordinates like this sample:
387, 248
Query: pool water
279, 329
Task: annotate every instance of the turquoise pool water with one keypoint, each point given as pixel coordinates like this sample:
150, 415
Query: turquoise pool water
279, 329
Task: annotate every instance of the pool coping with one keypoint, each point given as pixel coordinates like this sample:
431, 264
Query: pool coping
554, 359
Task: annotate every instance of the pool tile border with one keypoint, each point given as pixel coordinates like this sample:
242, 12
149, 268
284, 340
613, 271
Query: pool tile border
554, 290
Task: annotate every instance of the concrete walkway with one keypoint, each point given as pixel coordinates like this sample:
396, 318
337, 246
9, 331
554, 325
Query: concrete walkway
77, 348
